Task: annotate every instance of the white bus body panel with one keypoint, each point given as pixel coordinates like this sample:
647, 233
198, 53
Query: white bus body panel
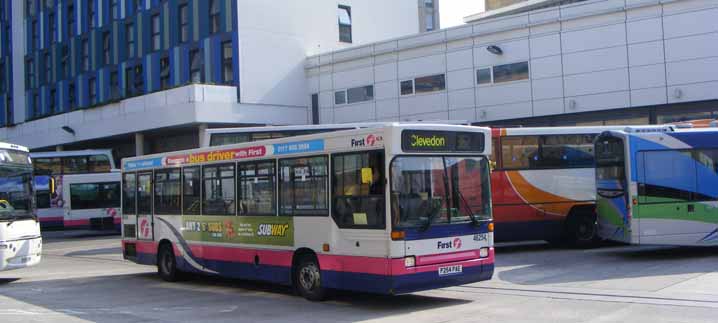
20, 244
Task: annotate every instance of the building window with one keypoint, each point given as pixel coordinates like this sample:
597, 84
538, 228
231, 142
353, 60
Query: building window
35, 35
423, 84
227, 71
195, 67
114, 86
130, 34
30, 8
71, 101
429, 15
156, 32
92, 90
344, 14
2, 78
9, 110
429, 83
65, 62
407, 87
48, 69
483, 76
183, 23
106, 41
128, 82
70, 19
359, 94
30, 74
213, 16
114, 11
138, 5
165, 73
53, 26
340, 97
354, 95
85, 55
36, 108
139, 81
91, 13
511, 72
51, 103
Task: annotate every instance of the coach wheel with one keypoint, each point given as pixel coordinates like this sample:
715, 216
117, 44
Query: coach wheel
583, 230
308, 279
167, 264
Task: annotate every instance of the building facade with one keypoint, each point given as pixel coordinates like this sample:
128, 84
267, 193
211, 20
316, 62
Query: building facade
588, 62
147, 75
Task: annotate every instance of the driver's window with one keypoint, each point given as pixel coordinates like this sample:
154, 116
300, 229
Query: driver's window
358, 190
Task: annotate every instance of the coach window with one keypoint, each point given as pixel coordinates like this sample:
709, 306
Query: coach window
98, 164
144, 193
358, 190
303, 186
519, 152
74, 165
129, 191
707, 173
167, 191
256, 188
566, 151
218, 190
190, 191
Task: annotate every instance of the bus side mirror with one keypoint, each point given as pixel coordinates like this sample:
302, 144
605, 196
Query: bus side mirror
51, 184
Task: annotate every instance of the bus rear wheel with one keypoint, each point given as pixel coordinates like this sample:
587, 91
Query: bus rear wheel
308, 279
582, 230
167, 264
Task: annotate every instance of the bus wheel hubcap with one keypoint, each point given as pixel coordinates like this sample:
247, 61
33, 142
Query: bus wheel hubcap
309, 276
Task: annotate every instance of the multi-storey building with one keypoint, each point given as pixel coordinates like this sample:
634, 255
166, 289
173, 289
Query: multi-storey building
566, 63
145, 75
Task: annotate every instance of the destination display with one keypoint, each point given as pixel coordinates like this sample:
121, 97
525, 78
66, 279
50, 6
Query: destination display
441, 141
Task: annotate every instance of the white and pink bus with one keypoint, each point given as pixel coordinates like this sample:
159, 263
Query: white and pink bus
77, 189
391, 209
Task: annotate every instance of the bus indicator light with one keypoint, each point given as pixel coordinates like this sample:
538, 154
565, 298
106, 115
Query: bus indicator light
491, 227
325, 247
398, 235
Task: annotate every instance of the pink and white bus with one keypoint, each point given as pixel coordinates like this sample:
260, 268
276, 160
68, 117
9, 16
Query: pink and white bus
77, 189
392, 209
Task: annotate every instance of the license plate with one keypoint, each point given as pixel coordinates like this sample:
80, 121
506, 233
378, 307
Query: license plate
450, 270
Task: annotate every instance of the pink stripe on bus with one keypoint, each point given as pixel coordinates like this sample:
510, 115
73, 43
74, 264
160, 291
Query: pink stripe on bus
51, 218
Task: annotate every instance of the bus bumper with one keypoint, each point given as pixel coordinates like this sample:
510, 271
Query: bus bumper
20, 253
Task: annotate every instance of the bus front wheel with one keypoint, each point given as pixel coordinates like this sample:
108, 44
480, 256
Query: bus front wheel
167, 264
308, 279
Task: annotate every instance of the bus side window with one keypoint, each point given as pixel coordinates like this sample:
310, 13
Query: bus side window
358, 190
303, 186
218, 187
144, 193
190, 191
129, 191
256, 188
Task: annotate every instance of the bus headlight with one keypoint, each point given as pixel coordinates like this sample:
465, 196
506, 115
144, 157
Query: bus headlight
483, 252
409, 261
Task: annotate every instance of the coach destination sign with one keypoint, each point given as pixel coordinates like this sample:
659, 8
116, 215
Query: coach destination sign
443, 141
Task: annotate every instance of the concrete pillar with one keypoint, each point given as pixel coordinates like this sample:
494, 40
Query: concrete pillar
201, 128
139, 144
59, 148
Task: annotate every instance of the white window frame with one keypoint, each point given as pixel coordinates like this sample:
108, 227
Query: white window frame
413, 87
491, 75
335, 97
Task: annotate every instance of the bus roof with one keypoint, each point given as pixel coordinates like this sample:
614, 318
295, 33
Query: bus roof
339, 126
4, 145
163, 159
569, 130
70, 153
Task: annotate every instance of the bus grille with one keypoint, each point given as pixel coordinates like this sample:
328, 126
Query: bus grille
129, 231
